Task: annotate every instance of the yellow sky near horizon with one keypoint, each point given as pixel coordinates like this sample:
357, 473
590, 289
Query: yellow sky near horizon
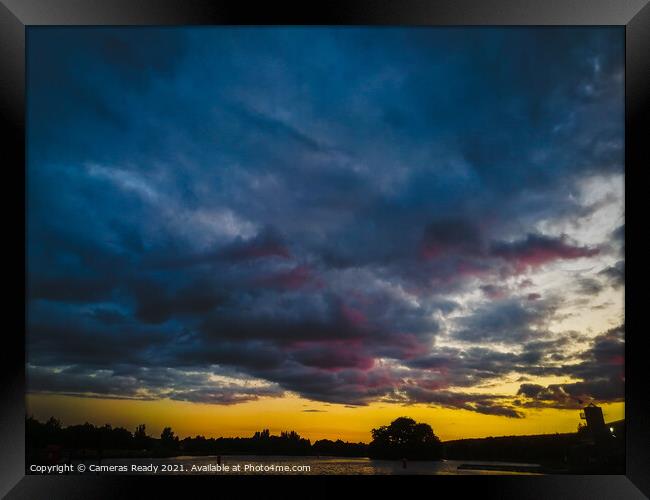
331, 421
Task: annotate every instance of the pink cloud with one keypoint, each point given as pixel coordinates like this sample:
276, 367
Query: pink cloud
332, 355
354, 316
537, 250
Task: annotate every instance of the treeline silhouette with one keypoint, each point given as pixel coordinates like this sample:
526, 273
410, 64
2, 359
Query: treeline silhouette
548, 448
90, 440
262, 443
577, 452
403, 439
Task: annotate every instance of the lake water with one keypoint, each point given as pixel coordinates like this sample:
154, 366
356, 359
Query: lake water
286, 465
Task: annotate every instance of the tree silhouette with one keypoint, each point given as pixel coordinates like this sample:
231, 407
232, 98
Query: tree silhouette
168, 440
405, 438
140, 438
53, 425
140, 431
264, 434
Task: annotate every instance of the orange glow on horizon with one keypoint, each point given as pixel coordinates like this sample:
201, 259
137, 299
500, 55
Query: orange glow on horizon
310, 419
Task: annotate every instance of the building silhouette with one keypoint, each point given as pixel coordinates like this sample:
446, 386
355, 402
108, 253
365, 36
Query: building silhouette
599, 432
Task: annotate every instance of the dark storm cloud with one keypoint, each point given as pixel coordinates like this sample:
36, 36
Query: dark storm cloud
508, 320
213, 394
615, 274
66, 67
44, 380
451, 235
267, 244
493, 291
590, 286
455, 367
279, 129
156, 304
600, 374
144, 384
109, 316
307, 206
487, 404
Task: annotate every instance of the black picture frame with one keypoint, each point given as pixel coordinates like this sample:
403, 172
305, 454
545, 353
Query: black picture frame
17, 15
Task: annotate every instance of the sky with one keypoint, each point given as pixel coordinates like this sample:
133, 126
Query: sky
322, 229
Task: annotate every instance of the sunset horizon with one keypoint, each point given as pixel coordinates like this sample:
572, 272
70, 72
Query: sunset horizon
211, 422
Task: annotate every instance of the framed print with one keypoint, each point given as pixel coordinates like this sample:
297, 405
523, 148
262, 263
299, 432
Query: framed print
371, 242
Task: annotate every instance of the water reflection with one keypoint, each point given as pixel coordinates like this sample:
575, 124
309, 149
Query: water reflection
316, 465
